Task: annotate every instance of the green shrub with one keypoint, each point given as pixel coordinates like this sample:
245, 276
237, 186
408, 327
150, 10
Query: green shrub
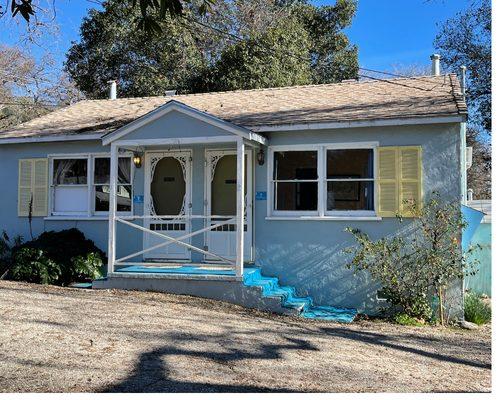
419, 264
59, 258
33, 265
405, 319
77, 257
6, 246
476, 310
87, 267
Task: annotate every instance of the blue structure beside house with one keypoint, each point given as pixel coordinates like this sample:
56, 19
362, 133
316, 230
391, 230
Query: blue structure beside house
480, 282
270, 178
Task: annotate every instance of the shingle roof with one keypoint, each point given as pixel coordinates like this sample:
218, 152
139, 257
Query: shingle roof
429, 96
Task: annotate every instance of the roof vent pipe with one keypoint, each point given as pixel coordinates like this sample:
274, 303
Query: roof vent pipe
463, 72
112, 90
436, 70
470, 194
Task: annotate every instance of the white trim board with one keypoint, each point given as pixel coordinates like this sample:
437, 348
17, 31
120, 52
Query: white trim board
52, 138
174, 105
358, 124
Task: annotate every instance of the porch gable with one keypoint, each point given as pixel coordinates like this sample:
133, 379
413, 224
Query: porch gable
175, 120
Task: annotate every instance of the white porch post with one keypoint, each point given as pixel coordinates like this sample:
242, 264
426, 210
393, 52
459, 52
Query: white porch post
240, 205
113, 176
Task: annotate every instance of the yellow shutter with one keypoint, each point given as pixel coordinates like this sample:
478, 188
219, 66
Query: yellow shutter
410, 178
40, 173
32, 187
24, 187
388, 201
399, 179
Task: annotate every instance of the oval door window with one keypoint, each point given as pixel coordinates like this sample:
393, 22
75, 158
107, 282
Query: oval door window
168, 187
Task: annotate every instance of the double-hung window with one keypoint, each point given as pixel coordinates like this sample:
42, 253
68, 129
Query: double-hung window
80, 185
322, 181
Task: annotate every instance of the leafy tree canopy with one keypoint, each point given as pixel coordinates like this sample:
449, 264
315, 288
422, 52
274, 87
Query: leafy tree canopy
152, 12
466, 40
238, 44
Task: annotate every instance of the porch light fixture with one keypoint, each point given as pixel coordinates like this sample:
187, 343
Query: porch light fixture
137, 160
260, 156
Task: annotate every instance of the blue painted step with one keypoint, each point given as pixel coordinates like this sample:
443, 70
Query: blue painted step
289, 299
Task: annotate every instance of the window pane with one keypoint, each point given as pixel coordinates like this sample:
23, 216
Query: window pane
296, 196
353, 163
295, 165
102, 168
70, 172
124, 170
71, 199
102, 198
123, 198
346, 195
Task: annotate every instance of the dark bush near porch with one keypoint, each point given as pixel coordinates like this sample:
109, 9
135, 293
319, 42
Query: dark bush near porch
78, 259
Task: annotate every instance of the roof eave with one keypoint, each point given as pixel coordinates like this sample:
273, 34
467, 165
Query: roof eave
52, 138
442, 119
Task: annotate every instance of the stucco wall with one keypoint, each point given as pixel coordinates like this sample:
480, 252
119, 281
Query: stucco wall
306, 254
309, 254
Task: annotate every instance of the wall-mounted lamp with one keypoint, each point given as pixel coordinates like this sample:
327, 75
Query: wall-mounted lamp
260, 157
137, 160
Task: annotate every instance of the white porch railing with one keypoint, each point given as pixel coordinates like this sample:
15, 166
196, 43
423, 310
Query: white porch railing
126, 220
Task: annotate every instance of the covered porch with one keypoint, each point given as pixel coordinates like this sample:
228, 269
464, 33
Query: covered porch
192, 210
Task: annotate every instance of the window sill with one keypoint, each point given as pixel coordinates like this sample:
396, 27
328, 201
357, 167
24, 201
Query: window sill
76, 218
325, 218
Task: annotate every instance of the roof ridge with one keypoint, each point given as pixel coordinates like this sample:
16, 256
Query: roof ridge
351, 82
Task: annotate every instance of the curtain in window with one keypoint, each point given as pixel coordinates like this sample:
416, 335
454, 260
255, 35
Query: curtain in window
70, 172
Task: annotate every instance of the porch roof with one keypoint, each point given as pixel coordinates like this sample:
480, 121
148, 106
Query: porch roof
265, 109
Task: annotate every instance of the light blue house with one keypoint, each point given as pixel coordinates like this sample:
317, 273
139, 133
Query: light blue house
187, 193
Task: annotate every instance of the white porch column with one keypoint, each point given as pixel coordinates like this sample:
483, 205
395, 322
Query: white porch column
240, 205
113, 176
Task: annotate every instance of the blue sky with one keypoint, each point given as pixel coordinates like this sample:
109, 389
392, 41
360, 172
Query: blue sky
387, 32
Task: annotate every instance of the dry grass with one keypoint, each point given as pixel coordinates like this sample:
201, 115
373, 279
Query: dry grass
69, 340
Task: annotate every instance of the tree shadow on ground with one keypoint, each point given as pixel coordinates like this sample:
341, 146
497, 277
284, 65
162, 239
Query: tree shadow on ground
153, 373
390, 342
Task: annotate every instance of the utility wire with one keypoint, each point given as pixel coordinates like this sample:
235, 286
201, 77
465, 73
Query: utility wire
240, 39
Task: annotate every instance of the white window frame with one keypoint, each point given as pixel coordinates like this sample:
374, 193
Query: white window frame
321, 213
90, 185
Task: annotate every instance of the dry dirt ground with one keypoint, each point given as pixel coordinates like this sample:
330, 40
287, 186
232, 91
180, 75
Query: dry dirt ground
73, 340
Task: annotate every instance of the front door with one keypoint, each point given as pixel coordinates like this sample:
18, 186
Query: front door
220, 199
167, 200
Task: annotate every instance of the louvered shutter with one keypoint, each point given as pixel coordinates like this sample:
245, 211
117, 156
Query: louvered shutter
32, 187
388, 197
40, 172
24, 187
410, 178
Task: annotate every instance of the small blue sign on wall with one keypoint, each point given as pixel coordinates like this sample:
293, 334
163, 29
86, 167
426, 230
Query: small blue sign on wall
138, 199
261, 196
